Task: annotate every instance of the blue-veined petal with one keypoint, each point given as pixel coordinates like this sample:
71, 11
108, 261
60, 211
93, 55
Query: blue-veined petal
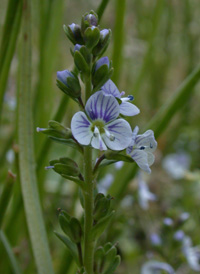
101, 106
80, 126
110, 88
141, 158
134, 134
122, 133
128, 109
147, 141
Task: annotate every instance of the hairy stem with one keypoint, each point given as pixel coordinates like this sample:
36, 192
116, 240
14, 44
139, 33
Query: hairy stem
88, 199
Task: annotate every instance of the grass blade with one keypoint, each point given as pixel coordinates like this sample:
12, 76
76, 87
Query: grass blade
26, 152
101, 8
6, 194
11, 256
9, 39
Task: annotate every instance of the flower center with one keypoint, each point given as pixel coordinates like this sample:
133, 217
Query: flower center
98, 128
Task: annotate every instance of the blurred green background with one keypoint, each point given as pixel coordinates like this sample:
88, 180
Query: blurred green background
154, 49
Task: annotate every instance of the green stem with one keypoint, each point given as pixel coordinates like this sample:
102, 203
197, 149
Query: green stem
88, 199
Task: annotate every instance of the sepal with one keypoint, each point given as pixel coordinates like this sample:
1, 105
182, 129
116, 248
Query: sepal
73, 33
102, 72
91, 37
106, 259
100, 227
101, 206
100, 48
71, 227
81, 63
70, 245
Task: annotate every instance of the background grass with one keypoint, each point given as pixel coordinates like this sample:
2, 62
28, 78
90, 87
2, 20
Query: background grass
155, 53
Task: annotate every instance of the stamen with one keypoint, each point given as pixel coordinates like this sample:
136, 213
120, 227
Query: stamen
126, 99
49, 167
143, 147
109, 135
122, 93
131, 97
38, 129
96, 132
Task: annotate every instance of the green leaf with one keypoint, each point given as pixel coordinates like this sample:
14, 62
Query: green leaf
70, 245
99, 228
68, 142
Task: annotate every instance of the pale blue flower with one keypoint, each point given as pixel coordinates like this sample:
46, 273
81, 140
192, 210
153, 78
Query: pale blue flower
155, 239
192, 254
168, 221
179, 235
126, 108
177, 164
145, 195
153, 267
141, 147
99, 126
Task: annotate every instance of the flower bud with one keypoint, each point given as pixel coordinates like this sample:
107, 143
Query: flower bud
102, 72
89, 20
91, 37
57, 130
100, 48
101, 62
73, 33
68, 82
65, 166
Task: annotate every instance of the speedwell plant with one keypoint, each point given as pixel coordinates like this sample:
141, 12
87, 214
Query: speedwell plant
99, 125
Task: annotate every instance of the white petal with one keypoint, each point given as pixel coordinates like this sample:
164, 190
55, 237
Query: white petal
141, 158
101, 106
110, 88
128, 109
98, 143
80, 126
122, 133
147, 140
150, 158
